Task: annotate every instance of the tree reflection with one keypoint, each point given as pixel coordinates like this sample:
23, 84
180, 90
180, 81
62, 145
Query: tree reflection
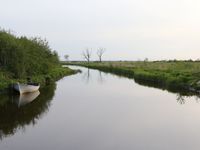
100, 77
180, 99
86, 76
197, 98
13, 118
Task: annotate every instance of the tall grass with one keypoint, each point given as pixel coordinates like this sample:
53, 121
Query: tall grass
183, 75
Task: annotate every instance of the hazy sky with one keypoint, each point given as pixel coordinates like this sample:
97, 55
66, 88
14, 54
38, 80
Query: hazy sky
128, 29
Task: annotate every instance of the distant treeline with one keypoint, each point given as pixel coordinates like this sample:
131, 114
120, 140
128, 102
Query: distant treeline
22, 56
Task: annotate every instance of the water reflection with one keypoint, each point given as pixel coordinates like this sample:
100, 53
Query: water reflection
101, 78
117, 114
181, 99
86, 76
181, 94
14, 118
26, 98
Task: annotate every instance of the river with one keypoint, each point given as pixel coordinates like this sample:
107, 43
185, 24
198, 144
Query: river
93, 110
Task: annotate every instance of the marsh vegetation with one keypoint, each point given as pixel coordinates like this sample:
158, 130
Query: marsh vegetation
171, 75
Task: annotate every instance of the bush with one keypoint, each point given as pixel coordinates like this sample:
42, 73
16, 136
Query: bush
26, 57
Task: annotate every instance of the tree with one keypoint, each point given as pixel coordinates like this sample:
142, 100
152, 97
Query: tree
146, 60
66, 57
100, 52
87, 54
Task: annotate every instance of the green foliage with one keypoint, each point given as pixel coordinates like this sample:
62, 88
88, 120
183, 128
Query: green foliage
25, 57
22, 57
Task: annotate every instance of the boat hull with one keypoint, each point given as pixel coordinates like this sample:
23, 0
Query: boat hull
26, 88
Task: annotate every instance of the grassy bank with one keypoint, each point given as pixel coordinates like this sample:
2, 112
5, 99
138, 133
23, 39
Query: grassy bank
170, 75
6, 79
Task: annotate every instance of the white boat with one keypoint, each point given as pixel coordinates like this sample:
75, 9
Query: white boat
26, 88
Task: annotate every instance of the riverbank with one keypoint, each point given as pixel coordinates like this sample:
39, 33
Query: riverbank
22, 57
55, 74
170, 75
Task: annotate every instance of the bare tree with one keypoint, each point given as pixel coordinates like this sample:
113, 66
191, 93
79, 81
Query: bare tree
66, 57
87, 54
100, 52
146, 60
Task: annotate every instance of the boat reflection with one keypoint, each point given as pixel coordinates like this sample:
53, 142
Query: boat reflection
26, 98
17, 112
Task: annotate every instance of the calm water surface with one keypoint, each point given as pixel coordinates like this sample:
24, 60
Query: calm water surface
97, 111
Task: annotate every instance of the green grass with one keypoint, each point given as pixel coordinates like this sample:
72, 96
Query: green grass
173, 75
6, 79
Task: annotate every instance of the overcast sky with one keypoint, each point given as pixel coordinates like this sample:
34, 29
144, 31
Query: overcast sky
128, 29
